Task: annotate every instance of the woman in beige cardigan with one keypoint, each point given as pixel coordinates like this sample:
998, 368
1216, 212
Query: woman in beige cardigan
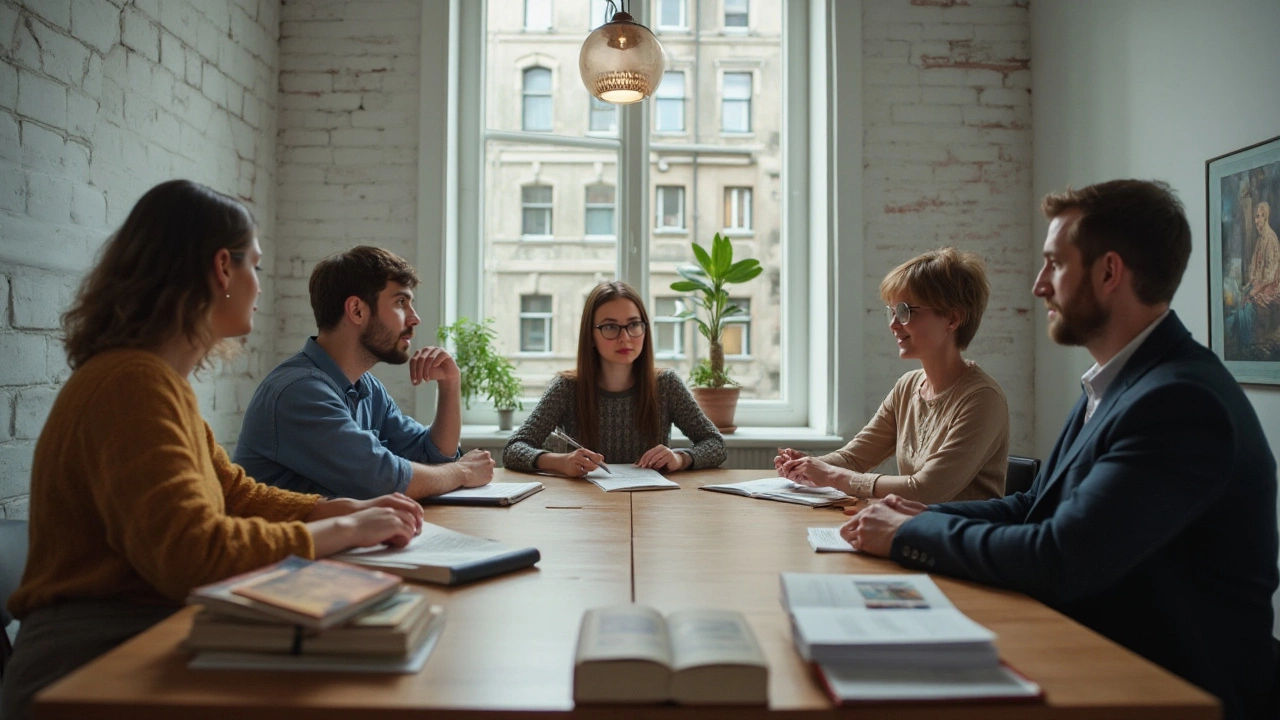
947, 422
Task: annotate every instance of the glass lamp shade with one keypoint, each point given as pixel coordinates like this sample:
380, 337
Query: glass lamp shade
621, 61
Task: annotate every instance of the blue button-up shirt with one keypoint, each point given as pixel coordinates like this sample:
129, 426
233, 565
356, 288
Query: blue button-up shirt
310, 430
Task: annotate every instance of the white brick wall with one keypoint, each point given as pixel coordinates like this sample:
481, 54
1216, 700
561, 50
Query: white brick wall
947, 138
348, 149
100, 100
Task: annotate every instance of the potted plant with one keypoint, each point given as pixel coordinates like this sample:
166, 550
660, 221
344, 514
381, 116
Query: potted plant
485, 372
715, 392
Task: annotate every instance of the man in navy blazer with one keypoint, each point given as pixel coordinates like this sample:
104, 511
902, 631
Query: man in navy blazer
1153, 520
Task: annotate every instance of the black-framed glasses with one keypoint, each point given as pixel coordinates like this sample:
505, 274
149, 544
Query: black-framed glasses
610, 331
900, 312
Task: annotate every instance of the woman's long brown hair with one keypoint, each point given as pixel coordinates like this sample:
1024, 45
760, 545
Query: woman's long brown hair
152, 278
586, 377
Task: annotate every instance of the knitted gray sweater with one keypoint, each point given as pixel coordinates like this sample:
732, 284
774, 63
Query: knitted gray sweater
619, 442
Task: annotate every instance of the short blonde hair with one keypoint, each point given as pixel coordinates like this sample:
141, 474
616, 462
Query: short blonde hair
946, 280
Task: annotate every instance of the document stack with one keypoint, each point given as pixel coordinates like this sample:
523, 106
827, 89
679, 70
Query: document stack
883, 638
313, 615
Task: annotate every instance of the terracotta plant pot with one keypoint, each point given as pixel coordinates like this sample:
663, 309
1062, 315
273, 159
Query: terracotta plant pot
719, 405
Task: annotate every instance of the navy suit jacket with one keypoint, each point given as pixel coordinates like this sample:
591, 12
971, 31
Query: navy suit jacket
1154, 523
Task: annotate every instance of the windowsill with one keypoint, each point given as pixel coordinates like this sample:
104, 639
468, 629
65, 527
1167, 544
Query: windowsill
537, 238
744, 437
670, 231
597, 239
738, 233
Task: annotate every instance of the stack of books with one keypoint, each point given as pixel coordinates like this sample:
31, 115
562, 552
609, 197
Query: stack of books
302, 614
892, 638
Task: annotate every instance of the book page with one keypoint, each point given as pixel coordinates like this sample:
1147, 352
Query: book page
827, 539
493, 490
624, 632
841, 626
801, 590
711, 637
434, 547
629, 477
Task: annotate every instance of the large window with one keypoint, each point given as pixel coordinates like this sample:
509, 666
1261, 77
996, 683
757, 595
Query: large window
535, 323
735, 14
537, 15
735, 115
619, 192
668, 103
737, 209
537, 99
670, 204
598, 219
535, 208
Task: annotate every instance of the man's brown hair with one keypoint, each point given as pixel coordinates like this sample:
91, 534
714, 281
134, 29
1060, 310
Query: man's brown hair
361, 271
1140, 220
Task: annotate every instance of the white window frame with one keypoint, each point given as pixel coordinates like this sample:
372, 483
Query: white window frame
594, 110
544, 317
549, 10
820, 369
547, 207
738, 202
525, 94
589, 206
678, 352
749, 100
684, 16
659, 205
663, 96
735, 29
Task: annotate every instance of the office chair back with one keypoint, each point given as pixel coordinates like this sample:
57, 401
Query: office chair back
13, 558
1022, 472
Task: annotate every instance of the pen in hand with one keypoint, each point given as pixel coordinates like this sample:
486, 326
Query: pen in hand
557, 432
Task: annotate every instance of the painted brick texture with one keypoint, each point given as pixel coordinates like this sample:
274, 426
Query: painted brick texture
100, 100
347, 148
947, 152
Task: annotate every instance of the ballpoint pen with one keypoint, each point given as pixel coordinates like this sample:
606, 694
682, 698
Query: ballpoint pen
557, 432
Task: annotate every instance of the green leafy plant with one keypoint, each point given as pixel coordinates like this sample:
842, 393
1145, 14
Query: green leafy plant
707, 281
485, 372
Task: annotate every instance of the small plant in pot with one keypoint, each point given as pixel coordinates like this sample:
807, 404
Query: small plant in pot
485, 371
715, 392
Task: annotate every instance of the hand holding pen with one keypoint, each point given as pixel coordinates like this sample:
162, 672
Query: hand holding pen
580, 459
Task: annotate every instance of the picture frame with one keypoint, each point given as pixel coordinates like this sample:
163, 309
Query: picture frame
1243, 194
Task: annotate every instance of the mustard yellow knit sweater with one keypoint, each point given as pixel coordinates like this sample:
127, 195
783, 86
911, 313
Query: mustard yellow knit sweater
132, 499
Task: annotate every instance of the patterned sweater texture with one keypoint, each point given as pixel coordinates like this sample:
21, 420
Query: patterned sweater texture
619, 441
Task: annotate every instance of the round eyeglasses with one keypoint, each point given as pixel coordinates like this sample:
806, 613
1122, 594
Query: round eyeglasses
610, 331
900, 312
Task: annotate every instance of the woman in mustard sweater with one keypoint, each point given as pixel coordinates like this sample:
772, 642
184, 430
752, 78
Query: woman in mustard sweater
133, 503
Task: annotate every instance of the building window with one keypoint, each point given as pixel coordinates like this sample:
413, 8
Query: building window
737, 209
537, 99
604, 116
735, 14
668, 329
671, 15
669, 103
535, 323
537, 15
735, 116
670, 205
736, 336
599, 215
535, 201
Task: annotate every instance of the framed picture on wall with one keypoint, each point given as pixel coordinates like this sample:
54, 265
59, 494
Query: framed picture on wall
1243, 188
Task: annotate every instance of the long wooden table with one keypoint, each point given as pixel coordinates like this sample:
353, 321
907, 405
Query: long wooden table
507, 650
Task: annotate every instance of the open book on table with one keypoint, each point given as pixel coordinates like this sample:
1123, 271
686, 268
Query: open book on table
440, 555
893, 638
631, 654
491, 494
783, 490
627, 478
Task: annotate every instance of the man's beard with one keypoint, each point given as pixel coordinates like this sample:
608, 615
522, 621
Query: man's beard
1083, 320
381, 343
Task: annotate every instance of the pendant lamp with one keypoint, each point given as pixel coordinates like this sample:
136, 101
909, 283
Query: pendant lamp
621, 61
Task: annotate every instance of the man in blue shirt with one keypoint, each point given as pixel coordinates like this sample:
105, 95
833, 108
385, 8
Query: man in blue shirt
320, 423
1153, 519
